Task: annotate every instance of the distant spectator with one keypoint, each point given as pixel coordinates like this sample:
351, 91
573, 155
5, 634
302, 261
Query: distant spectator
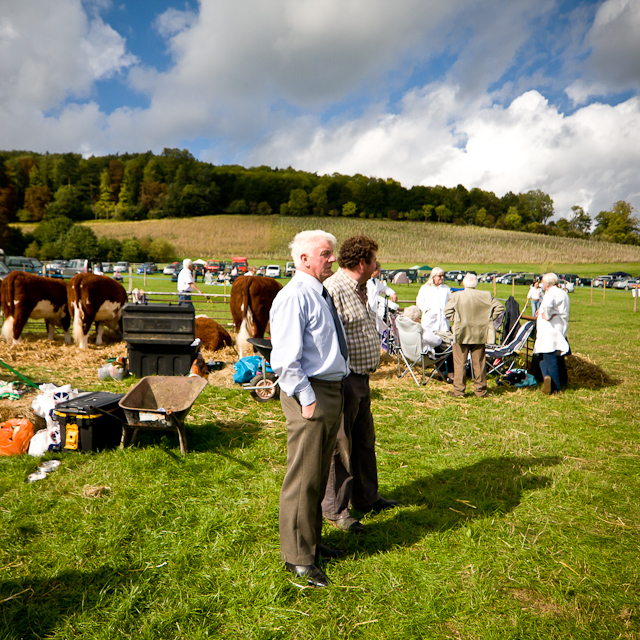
97, 269
432, 299
186, 284
534, 295
471, 312
376, 288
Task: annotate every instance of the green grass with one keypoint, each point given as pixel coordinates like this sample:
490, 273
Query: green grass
519, 518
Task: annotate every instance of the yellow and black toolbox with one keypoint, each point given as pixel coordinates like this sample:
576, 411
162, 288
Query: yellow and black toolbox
91, 421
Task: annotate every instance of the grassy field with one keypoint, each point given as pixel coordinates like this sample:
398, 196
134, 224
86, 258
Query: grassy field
519, 514
402, 243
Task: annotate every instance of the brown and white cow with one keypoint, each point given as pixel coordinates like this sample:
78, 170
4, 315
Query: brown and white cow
26, 295
96, 299
250, 302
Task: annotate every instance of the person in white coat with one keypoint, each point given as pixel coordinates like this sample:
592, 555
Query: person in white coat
551, 334
375, 289
432, 299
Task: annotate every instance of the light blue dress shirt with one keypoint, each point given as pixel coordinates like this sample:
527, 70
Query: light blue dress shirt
304, 339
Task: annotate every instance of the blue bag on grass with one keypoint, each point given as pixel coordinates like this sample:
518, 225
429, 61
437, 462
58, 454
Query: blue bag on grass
248, 368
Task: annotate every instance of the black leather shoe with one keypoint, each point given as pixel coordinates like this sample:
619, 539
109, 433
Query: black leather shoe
323, 551
380, 505
314, 576
349, 524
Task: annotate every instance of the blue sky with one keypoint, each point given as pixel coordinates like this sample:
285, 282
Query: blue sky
495, 94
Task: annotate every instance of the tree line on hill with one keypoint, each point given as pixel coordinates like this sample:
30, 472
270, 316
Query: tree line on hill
43, 187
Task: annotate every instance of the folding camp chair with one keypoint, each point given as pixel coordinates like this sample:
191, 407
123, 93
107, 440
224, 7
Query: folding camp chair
410, 351
501, 358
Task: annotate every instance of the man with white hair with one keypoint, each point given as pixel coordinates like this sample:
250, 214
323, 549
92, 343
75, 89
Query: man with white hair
310, 356
470, 312
186, 284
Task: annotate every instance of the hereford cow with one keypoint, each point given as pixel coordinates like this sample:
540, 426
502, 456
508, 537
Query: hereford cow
26, 295
212, 335
96, 299
250, 302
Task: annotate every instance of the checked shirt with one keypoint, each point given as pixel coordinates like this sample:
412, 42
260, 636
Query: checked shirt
359, 323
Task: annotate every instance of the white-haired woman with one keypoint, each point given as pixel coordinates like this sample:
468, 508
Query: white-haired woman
551, 334
432, 299
186, 284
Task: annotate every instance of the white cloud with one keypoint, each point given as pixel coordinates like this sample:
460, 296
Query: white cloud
588, 158
259, 81
614, 61
50, 51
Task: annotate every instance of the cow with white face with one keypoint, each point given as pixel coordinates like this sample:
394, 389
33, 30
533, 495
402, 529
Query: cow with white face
26, 295
96, 299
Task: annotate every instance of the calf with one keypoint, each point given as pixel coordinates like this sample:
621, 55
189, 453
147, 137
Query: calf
96, 299
26, 295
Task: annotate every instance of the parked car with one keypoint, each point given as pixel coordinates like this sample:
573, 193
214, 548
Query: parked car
626, 283
54, 265
289, 269
146, 267
20, 263
170, 269
455, 274
272, 271
4, 270
489, 276
107, 267
77, 265
569, 287
600, 281
260, 271
507, 278
526, 278
123, 266
570, 277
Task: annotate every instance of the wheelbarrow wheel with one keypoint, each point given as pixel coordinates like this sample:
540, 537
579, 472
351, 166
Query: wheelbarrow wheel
267, 388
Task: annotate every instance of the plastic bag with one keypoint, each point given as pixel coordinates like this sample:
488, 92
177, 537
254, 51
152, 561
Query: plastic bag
247, 368
15, 435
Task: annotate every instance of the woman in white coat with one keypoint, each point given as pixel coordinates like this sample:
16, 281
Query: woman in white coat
551, 334
432, 299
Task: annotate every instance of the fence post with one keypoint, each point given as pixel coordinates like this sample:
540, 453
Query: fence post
130, 278
494, 286
634, 292
604, 290
592, 293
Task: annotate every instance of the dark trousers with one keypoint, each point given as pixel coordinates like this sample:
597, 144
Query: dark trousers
353, 477
479, 363
310, 444
554, 366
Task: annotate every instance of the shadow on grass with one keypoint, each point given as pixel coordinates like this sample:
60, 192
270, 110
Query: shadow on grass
34, 607
454, 497
216, 436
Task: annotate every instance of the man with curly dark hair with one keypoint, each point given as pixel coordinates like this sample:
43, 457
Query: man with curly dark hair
353, 478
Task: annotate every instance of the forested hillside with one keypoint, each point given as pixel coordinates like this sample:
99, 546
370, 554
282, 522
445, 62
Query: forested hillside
36, 187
